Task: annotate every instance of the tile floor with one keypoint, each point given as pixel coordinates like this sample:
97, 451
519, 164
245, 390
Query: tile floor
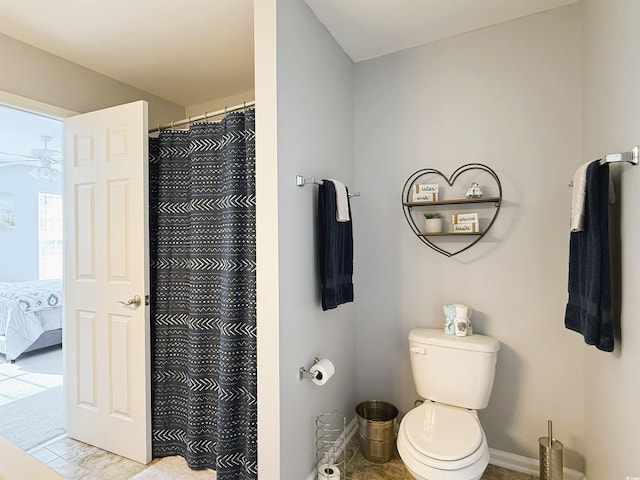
30, 375
79, 461
33, 373
359, 468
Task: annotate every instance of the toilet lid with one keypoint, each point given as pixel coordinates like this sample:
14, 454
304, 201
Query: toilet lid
443, 432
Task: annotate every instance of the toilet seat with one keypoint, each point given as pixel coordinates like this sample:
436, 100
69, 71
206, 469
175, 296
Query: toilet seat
438, 438
443, 432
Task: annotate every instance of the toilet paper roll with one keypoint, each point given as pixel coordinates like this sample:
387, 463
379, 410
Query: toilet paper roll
323, 371
328, 472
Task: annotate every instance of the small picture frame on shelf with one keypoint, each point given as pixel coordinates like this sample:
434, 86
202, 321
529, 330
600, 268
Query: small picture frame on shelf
464, 218
470, 227
425, 197
426, 188
426, 192
465, 223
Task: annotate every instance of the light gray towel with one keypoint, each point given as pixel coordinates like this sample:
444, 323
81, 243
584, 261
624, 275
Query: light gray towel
578, 195
342, 201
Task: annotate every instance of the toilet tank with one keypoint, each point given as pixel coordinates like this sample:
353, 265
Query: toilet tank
453, 370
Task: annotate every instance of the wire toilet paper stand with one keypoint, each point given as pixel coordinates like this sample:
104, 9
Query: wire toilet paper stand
331, 446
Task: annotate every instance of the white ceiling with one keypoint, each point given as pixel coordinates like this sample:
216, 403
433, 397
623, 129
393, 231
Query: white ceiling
194, 51
185, 51
370, 28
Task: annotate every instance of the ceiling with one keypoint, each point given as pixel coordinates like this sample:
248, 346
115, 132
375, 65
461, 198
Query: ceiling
187, 52
370, 28
22, 136
194, 51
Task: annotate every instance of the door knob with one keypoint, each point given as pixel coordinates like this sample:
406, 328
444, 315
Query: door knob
135, 301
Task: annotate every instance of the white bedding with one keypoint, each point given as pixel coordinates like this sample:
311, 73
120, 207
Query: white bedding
33, 295
27, 310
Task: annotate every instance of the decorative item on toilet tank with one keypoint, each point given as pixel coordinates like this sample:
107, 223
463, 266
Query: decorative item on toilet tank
457, 319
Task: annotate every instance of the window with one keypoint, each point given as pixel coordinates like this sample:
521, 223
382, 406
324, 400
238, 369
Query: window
50, 242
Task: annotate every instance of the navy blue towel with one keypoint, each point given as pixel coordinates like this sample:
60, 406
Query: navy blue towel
335, 250
589, 307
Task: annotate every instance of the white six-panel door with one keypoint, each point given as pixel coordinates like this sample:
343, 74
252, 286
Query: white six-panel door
106, 331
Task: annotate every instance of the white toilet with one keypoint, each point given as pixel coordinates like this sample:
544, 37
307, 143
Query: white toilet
442, 439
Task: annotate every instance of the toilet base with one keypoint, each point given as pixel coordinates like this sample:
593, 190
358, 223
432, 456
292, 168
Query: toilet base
420, 471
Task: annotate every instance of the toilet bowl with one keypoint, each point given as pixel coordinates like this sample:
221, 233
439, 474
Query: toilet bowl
443, 442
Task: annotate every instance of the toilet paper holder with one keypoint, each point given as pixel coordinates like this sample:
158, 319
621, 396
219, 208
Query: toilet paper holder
303, 372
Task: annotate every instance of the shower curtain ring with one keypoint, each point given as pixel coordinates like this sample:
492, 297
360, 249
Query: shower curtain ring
172, 127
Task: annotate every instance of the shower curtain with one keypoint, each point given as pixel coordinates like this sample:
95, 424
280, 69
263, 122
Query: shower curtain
203, 301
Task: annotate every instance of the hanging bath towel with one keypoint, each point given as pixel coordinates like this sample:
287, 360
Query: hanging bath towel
335, 250
589, 307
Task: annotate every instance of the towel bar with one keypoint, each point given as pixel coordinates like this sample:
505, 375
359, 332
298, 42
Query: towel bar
302, 181
632, 157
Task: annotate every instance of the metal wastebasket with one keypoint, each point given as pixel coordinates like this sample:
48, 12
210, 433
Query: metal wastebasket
377, 429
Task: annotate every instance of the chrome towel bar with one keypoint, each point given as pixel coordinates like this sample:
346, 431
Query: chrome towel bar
302, 181
632, 157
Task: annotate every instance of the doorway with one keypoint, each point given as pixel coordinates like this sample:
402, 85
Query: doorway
106, 337
31, 261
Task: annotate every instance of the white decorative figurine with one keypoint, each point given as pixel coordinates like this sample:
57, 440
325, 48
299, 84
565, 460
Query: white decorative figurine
474, 191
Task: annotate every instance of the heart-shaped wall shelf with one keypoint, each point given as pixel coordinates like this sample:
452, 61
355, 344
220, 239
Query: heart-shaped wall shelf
430, 238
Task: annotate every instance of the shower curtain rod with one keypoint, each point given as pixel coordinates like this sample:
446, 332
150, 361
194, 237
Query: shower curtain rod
205, 116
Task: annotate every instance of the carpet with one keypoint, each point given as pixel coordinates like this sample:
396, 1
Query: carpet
170, 468
33, 420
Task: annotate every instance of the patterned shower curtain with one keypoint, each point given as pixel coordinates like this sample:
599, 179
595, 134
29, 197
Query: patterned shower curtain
203, 279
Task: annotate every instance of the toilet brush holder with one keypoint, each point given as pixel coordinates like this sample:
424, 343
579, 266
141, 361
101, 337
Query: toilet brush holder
550, 456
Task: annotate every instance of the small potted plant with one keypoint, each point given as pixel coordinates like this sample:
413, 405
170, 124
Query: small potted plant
432, 222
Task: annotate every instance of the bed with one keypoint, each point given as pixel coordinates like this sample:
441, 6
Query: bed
30, 316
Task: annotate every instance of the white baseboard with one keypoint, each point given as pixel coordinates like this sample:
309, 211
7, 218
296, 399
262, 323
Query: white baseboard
527, 465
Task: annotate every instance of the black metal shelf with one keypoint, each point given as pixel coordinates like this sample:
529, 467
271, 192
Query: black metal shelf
448, 234
408, 206
455, 201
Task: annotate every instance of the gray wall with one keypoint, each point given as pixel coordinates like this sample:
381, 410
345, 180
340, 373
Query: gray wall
315, 138
19, 245
611, 102
38, 75
507, 96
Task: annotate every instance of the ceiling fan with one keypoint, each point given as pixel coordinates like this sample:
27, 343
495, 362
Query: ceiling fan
47, 163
